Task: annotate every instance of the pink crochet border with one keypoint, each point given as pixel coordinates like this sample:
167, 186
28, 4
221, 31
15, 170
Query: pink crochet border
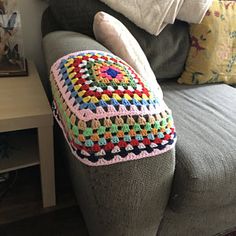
117, 158
86, 115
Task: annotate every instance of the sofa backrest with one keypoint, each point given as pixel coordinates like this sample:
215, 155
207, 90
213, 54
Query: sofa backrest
166, 53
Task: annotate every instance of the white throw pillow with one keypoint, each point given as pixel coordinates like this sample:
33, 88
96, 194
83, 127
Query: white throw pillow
116, 37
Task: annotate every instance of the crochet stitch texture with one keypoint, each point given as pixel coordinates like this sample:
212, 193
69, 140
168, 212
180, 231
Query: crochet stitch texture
106, 111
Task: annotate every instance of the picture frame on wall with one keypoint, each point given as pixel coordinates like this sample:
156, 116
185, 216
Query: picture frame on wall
12, 59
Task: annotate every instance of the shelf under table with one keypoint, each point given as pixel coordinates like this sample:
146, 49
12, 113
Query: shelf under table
21, 151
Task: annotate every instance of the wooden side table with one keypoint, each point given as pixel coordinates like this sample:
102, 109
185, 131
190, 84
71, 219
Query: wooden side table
23, 106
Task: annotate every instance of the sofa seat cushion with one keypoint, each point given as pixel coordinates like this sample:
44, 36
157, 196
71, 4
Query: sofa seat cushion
205, 119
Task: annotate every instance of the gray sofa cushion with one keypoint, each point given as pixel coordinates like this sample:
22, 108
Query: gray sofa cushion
209, 222
49, 23
205, 119
166, 53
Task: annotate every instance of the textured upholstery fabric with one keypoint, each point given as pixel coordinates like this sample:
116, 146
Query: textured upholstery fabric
121, 199
60, 43
215, 221
166, 53
205, 119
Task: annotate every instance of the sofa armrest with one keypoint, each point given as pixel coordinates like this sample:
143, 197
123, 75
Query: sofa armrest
128, 198
60, 43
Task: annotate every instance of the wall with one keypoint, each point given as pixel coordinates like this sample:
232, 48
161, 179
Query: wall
31, 12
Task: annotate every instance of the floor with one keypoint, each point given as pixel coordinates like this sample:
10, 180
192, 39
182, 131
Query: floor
63, 222
21, 211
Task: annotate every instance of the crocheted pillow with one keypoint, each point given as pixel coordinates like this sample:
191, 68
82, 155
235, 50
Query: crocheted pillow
107, 112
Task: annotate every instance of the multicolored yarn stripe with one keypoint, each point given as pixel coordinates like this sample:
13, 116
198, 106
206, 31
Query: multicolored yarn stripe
107, 112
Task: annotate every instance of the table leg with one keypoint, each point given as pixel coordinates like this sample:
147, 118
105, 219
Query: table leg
46, 153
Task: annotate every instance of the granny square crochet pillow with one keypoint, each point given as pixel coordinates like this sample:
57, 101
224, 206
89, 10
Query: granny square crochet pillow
107, 111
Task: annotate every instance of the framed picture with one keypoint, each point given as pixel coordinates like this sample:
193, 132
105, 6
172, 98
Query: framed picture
12, 59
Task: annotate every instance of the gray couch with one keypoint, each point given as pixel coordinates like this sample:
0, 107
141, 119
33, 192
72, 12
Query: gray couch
187, 191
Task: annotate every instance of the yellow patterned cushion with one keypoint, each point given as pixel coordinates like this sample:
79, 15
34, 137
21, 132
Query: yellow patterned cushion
212, 56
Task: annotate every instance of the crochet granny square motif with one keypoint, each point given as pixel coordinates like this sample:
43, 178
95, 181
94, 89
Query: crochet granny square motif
107, 111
